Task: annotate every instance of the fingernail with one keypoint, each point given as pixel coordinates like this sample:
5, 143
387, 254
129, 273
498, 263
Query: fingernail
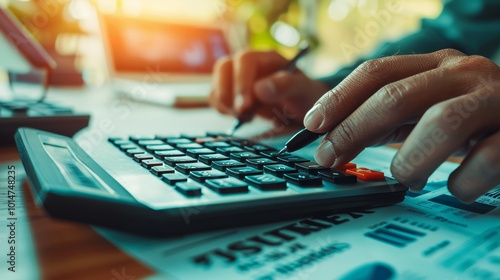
265, 90
314, 118
238, 102
325, 154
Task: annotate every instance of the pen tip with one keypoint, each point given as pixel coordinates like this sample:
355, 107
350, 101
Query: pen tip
282, 151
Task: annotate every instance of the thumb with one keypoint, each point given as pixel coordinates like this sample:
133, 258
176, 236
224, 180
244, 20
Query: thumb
280, 86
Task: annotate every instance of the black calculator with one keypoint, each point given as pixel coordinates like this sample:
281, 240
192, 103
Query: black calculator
175, 184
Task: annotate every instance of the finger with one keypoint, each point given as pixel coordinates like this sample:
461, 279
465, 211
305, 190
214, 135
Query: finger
248, 66
444, 128
369, 77
396, 136
221, 96
479, 172
397, 103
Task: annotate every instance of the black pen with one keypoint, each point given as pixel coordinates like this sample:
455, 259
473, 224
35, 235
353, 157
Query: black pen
300, 140
289, 67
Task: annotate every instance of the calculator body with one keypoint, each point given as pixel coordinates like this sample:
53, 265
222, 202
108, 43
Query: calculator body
104, 187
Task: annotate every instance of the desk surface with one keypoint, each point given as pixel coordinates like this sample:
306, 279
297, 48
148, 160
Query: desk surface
70, 250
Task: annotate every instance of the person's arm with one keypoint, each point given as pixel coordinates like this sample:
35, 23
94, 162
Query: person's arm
471, 27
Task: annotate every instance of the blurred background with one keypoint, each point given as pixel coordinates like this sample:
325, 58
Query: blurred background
340, 30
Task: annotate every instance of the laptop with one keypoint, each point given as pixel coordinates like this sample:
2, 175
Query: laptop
159, 61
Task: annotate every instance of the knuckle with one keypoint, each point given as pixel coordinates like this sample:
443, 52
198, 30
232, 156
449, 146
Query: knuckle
330, 101
448, 52
373, 67
344, 134
391, 97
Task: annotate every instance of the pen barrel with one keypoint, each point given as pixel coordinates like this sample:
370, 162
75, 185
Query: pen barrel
302, 139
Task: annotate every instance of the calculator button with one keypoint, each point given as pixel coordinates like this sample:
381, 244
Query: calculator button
291, 160
168, 153
273, 154
185, 147
208, 159
172, 161
141, 157
151, 162
185, 168
204, 139
303, 179
243, 156
346, 166
242, 172
178, 141
160, 170
117, 140
229, 150
165, 137
136, 138
189, 188
259, 163
337, 177
125, 147
227, 186
173, 178
144, 143
266, 182
132, 152
202, 176
366, 174
120, 142
192, 137
278, 169
260, 148
223, 164
197, 152
215, 145
311, 167
154, 148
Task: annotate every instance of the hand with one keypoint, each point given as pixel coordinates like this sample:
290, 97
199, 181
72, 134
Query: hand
251, 79
440, 103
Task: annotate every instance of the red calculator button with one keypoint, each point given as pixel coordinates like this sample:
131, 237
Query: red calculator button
346, 166
366, 174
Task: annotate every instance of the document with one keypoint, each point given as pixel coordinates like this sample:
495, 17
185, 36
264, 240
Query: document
431, 235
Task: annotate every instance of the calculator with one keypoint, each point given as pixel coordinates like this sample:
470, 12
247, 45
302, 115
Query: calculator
56, 118
175, 184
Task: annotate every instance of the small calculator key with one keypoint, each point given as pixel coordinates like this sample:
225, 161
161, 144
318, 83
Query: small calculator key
172, 161
151, 163
154, 148
185, 147
144, 143
366, 174
311, 167
132, 152
185, 168
291, 160
202, 176
303, 179
168, 153
222, 165
227, 151
142, 157
259, 163
208, 159
242, 172
227, 186
266, 182
195, 153
337, 177
190, 189
243, 156
173, 178
278, 170
160, 170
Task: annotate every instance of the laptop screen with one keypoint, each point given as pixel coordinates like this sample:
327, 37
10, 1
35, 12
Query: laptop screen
136, 45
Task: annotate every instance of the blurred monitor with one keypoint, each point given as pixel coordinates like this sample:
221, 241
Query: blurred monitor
136, 47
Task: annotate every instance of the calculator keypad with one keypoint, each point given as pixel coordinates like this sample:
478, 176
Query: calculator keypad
195, 165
